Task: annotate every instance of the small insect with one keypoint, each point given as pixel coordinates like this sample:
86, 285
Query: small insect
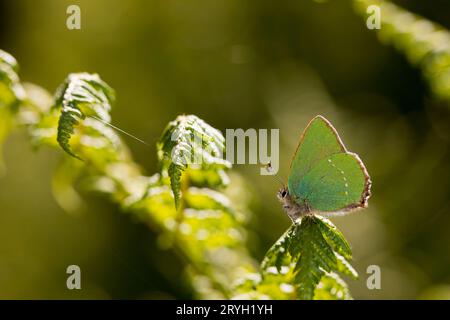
324, 178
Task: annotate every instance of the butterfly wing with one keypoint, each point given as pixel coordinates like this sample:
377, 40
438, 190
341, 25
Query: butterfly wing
324, 175
335, 184
319, 141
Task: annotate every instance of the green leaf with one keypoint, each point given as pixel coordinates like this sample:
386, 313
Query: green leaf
190, 143
83, 95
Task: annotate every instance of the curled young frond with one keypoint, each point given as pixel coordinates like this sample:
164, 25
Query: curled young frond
11, 90
189, 142
84, 97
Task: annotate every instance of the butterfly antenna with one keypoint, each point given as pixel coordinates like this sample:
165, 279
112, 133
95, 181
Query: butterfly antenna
276, 176
120, 130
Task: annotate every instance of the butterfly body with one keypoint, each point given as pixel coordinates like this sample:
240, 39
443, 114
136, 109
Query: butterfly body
325, 178
293, 208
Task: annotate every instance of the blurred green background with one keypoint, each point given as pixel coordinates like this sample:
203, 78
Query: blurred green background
235, 64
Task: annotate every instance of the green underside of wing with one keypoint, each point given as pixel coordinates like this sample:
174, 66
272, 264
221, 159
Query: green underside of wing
334, 183
318, 142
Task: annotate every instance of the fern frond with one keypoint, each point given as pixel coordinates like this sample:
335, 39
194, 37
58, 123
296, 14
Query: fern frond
205, 198
425, 43
332, 287
313, 257
83, 95
209, 233
312, 249
175, 171
343, 266
11, 95
11, 90
39, 117
277, 254
189, 142
334, 237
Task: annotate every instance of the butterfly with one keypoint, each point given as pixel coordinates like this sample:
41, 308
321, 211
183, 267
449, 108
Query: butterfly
324, 178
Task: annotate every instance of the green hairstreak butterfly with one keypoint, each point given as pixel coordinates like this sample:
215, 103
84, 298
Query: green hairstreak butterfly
324, 177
